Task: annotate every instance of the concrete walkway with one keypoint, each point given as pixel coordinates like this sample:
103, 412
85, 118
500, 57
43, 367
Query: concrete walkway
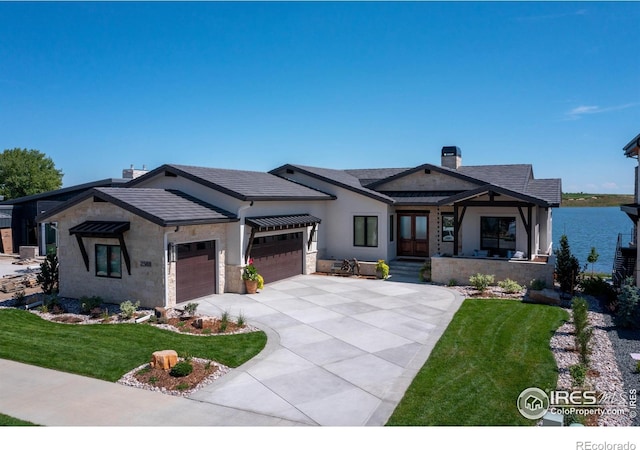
341, 351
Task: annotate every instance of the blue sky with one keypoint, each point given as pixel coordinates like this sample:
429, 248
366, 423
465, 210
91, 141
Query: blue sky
101, 86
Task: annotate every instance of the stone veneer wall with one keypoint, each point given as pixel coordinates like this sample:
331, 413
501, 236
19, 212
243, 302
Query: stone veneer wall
145, 244
443, 269
197, 233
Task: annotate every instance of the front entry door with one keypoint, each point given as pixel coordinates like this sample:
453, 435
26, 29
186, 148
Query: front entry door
413, 236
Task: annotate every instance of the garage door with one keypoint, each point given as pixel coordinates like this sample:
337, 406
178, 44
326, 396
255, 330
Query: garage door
278, 257
195, 270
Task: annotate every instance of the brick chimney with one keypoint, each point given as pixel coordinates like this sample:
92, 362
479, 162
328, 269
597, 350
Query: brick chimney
451, 157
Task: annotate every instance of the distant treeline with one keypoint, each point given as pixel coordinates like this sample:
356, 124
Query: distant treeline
583, 199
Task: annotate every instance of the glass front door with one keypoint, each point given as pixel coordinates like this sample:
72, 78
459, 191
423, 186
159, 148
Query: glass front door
413, 234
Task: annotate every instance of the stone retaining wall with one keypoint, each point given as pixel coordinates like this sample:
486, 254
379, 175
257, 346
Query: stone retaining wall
444, 269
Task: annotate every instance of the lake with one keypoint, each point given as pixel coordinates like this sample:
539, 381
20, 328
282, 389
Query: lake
591, 227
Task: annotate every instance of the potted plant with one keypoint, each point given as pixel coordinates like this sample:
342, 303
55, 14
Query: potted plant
251, 277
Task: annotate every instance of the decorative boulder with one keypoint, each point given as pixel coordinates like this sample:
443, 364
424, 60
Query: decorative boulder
164, 359
204, 322
545, 296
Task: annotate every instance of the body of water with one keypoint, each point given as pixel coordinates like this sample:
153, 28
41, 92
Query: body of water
592, 227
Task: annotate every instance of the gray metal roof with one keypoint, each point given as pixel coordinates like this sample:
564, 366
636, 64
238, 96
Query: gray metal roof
166, 207
161, 206
339, 178
281, 222
100, 228
242, 184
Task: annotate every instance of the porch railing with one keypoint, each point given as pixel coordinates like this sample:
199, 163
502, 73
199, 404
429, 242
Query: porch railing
625, 260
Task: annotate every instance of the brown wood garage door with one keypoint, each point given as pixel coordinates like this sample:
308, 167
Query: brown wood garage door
195, 270
278, 257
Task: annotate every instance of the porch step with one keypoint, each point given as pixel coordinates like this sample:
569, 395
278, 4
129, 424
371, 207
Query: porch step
404, 270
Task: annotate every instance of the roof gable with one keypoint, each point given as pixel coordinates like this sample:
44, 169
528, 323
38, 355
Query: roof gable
241, 184
160, 206
336, 177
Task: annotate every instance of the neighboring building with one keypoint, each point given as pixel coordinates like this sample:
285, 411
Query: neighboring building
22, 211
625, 264
181, 232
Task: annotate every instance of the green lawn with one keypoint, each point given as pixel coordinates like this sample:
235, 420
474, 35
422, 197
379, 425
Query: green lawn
491, 351
8, 421
109, 351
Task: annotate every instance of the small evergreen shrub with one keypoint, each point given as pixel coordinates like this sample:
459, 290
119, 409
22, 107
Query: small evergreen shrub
425, 272
628, 315
20, 298
596, 286
481, 281
510, 286
87, 304
48, 276
128, 309
567, 266
537, 284
190, 308
452, 282
181, 369
583, 331
578, 373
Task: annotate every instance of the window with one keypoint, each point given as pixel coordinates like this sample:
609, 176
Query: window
108, 261
447, 227
391, 230
365, 231
498, 235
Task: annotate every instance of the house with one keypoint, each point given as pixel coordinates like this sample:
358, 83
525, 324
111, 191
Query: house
626, 257
18, 215
181, 232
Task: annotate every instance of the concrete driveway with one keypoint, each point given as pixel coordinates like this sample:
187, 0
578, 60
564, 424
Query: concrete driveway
341, 351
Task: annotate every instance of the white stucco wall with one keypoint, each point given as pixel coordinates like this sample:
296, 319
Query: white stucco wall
336, 232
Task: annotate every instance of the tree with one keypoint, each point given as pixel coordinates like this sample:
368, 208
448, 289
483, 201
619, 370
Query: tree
592, 258
567, 266
27, 172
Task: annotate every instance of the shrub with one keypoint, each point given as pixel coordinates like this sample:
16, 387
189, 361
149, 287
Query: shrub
241, 320
596, 286
89, 303
224, 321
20, 298
628, 303
190, 308
583, 331
181, 369
510, 286
578, 373
48, 276
537, 284
128, 309
481, 281
452, 282
260, 281
567, 266
383, 269
182, 387
425, 271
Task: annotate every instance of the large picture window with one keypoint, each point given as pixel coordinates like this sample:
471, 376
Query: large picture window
365, 231
108, 261
498, 235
